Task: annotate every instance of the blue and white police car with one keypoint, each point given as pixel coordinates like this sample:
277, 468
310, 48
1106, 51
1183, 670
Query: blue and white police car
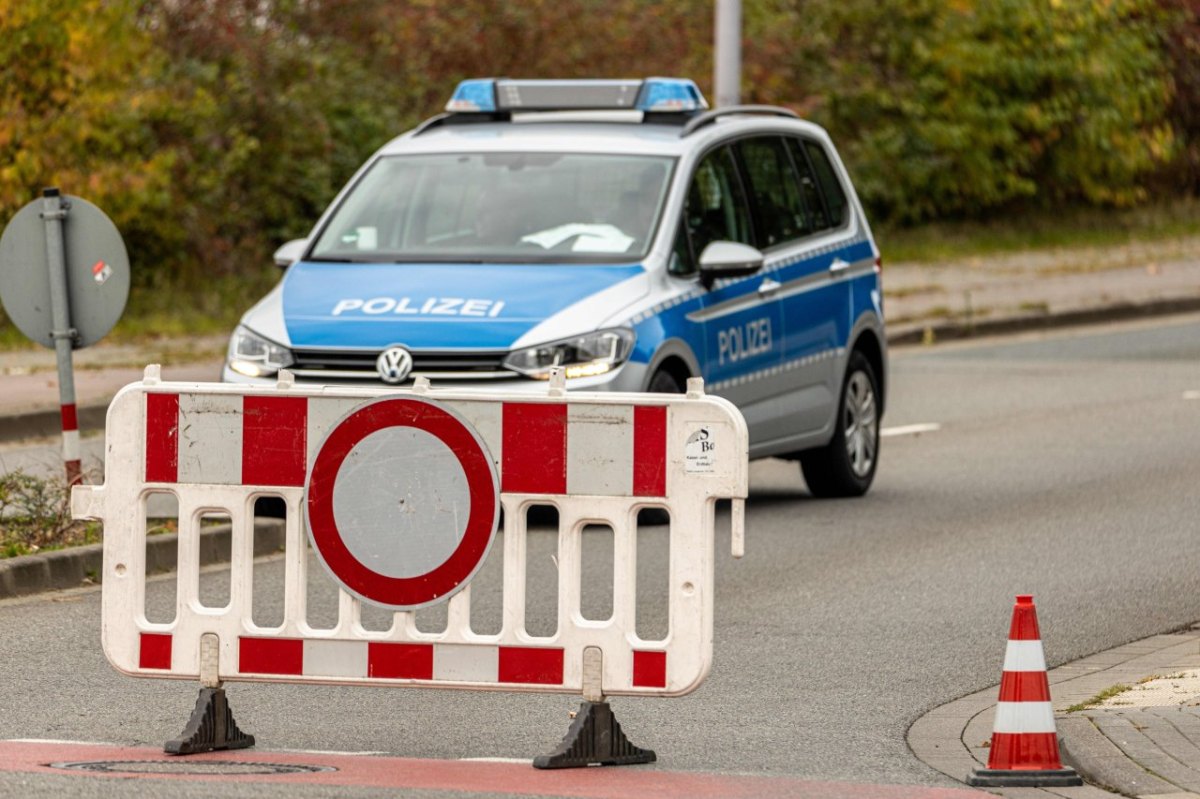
618, 229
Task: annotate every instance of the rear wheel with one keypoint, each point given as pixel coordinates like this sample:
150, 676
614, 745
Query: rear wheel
845, 466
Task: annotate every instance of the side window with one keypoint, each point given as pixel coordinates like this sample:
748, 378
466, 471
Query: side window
776, 191
681, 264
716, 205
835, 197
808, 187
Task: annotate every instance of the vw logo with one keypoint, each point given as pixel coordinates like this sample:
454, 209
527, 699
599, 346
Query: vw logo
393, 365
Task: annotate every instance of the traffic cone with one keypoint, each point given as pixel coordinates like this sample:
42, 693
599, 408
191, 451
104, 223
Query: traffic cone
1024, 749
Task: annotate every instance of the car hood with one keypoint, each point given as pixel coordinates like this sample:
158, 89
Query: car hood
447, 306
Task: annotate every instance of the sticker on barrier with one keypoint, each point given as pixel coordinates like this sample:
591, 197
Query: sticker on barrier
400, 493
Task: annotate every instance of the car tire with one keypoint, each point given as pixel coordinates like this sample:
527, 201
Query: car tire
846, 465
663, 382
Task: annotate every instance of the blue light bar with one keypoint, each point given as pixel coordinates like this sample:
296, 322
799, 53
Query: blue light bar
670, 94
489, 95
478, 95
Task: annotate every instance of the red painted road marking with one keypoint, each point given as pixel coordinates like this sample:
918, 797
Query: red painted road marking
631, 782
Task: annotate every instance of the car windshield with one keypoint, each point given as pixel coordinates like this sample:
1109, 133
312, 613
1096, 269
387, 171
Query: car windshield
500, 207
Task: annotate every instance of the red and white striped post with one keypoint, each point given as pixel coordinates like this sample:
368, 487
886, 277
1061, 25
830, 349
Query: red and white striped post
70, 439
54, 211
1024, 751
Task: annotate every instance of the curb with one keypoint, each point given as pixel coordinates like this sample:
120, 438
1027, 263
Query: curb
957, 330
80, 566
39, 424
953, 738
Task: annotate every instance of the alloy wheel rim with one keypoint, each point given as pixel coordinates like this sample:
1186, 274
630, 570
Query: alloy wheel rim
860, 423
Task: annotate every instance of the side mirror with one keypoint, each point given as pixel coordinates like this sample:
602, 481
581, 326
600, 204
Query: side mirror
728, 259
289, 253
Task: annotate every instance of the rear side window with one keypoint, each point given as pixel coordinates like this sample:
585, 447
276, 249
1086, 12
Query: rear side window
808, 187
775, 188
835, 197
716, 204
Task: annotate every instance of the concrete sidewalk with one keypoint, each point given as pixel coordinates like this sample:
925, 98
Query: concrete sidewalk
1141, 742
923, 303
29, 406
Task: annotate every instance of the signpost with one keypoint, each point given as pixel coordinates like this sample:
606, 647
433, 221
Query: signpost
727, 53
64, 280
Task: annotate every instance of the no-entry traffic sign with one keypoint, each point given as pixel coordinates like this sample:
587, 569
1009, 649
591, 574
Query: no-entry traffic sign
402, 502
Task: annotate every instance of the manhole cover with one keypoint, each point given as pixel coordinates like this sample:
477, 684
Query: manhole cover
210, 768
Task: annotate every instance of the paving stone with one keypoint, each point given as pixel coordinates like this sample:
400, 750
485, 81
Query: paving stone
1101, 761
1127, 731
1175, 745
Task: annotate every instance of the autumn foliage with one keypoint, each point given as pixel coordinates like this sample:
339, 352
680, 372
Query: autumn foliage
213, 130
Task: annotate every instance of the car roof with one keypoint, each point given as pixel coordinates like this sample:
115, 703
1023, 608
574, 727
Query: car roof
553, 133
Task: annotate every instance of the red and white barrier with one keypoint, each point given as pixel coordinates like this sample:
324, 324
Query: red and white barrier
1024, 750
598, 458
197, 437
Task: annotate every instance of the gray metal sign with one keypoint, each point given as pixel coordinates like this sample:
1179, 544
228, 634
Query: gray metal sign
97, 272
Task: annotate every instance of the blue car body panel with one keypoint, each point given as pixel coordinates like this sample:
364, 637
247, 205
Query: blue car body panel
432, 306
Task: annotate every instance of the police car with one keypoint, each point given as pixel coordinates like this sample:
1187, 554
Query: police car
618, 229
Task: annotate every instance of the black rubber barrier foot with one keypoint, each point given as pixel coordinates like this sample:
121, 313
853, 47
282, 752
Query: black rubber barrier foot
1019, 778
210, 728
595, 738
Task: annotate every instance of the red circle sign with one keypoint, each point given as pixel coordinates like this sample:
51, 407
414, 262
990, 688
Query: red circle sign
422, 421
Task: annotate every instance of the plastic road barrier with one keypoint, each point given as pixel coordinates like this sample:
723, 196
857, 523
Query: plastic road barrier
399, 494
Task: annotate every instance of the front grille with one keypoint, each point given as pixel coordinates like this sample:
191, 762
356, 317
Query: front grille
360, 365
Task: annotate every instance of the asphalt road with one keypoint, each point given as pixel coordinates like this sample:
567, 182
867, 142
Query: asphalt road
1065, 466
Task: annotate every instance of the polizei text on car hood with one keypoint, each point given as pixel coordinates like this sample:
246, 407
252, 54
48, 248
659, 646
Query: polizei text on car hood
437, 306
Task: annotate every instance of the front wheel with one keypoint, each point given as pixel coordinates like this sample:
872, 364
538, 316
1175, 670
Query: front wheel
663, 382
846, 465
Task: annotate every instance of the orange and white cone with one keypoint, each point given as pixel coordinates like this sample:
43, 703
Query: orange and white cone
1024, 750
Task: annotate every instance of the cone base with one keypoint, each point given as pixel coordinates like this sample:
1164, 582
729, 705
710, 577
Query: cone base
1023, 778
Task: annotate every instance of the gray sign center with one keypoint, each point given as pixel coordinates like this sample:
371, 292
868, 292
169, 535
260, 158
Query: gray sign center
401, 502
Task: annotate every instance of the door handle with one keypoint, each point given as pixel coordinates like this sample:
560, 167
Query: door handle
838, 265
768, 287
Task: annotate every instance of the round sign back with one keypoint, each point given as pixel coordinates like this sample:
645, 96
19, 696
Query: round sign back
402, 502
97, 272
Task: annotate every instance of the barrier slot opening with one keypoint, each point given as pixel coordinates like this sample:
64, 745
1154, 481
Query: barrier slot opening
321, 595
541, 570
433, 619
487, 591
216, 548
652, 613
160, 509
266, 610
596, 567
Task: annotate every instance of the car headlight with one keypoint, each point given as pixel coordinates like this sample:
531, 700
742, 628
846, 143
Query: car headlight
582, 356
254, 356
